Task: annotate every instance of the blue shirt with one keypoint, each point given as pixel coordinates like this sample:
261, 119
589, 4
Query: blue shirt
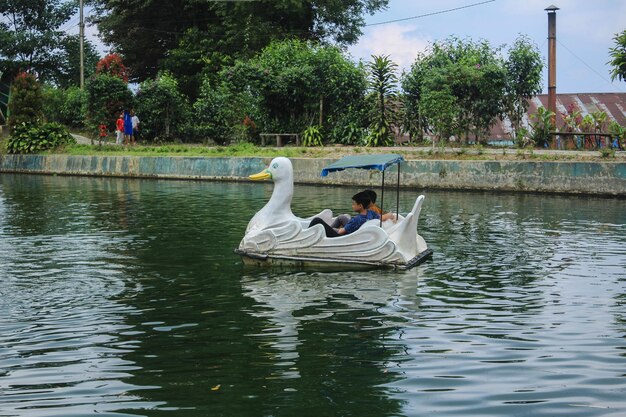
357, 221
128, 123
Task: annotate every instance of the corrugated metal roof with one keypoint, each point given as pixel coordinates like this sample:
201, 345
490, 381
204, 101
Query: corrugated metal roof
613, 104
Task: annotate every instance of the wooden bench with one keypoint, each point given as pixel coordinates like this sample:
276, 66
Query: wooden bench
279, 138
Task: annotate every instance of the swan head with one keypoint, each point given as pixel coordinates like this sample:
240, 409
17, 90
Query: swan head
279, 170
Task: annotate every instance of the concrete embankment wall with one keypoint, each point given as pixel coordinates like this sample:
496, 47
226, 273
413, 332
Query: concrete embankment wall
597, 178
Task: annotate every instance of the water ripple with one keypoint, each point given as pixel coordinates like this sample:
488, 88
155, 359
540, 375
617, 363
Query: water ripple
124, 298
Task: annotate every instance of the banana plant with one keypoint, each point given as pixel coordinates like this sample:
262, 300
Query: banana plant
542, 126
599, 120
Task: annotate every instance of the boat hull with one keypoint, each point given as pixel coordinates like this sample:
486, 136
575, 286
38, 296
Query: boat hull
273, 260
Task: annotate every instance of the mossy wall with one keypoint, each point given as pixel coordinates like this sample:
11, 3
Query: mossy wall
596, 178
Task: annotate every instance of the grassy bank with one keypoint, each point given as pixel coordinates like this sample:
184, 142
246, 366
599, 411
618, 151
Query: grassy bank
250, 150
478, 153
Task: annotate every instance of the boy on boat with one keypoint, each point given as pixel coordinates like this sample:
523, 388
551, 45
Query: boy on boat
360, 202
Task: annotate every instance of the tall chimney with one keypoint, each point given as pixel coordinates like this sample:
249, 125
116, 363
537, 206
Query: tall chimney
552, 61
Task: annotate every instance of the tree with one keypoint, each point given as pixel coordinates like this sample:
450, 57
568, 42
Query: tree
68, 74
523, 81
162, 107
67, 106
292, 77
113, 66
383, 84
439, 105
202, 33
30, 35
618, 55
414, 122
107, 96
26, 103
281, 89
457, 88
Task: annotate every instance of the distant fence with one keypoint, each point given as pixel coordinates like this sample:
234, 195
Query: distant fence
582, 140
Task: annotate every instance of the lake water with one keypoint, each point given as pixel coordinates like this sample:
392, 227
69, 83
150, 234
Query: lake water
123, 297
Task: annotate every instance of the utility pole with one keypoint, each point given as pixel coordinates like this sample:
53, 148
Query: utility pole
552, 61
81, 35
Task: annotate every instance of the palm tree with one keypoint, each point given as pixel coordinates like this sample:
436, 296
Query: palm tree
383, 82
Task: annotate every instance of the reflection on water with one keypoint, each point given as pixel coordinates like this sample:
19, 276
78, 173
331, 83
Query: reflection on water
290, 302
123, 297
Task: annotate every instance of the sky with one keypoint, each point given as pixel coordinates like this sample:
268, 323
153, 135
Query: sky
584, 30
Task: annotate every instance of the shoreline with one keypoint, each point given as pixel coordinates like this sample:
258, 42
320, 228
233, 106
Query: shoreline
596, 178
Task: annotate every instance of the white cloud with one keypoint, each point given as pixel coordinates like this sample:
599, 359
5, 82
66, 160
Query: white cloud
401, 42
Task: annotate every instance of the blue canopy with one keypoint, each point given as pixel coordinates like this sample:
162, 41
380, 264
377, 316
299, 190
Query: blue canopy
379, 162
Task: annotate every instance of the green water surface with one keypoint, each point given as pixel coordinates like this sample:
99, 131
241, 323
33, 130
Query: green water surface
124, 297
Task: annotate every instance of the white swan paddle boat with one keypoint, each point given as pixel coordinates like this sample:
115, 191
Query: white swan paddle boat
275, 236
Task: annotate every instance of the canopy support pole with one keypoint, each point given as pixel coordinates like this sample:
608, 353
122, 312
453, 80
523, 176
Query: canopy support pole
398, 194
382, 199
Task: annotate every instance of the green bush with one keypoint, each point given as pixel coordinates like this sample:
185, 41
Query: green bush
542, 127
74, 110
223, 113
66, 106
107, 96
162, 109
25, 104
349, 127
312, 136
36, 138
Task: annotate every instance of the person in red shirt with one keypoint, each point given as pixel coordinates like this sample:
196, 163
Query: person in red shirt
119, 130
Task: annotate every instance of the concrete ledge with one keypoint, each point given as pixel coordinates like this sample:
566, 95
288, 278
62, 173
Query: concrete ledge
594, 178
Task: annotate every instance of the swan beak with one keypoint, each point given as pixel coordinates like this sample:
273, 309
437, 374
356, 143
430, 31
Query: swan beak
263, 175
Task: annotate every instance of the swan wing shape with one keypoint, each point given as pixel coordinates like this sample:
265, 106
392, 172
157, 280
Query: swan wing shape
367, 243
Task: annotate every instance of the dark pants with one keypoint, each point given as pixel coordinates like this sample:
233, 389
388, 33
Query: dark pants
330, 232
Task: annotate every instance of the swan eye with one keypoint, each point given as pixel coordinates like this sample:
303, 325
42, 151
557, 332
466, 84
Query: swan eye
275, 165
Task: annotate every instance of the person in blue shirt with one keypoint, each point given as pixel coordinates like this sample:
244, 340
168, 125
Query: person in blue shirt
128, 128
360, 202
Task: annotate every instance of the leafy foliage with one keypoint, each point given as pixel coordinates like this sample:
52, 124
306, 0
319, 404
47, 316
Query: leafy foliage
523, 80
281, 90
25, 104
113, 66
30, 35
162, 108
32, 138
350, 126
200, 37
572, 118
107, 96
68, 73
618, 55
66, 106
619, 134
415, 124
383, 84
456, 89
293, 76
220, 111
541, 126
312, 136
